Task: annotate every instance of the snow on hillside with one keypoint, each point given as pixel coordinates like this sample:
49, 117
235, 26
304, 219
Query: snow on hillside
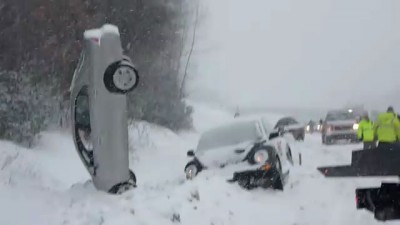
206, 117
49, 185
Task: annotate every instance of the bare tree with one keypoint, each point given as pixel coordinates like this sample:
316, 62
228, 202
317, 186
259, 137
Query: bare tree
40, 42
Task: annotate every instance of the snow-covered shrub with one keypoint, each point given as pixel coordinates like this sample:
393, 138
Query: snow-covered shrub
25, 108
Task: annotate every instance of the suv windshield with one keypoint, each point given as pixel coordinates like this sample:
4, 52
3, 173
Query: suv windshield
345, 115
227, 135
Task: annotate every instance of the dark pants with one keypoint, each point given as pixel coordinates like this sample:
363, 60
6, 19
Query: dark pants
369, 145
387, 145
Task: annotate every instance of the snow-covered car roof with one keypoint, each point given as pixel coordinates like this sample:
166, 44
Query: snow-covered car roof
229, 134
243, 129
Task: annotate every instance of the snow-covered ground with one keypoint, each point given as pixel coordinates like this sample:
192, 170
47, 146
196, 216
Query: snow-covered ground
49, 185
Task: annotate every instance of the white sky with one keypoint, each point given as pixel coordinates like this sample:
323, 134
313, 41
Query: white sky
310, 53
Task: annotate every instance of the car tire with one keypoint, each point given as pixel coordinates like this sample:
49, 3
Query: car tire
124, 186
297, 137
289, 155
132, 176
198, 166
278, 183
115, 74
302, 137
326, 140
383, 214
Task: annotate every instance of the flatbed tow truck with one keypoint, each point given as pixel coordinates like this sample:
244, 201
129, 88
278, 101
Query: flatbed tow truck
383, 201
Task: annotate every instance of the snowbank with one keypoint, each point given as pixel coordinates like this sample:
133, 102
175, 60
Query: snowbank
48, 185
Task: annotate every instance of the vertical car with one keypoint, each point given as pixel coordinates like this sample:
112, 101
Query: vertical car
98, 91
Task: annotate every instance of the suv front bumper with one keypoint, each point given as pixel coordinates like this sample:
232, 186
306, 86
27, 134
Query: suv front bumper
250, 179
342, 135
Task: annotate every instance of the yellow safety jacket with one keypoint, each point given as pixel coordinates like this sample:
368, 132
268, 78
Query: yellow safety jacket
387, 127
366, 130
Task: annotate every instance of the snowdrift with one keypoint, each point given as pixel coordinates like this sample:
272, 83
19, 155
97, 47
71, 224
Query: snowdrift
48, 185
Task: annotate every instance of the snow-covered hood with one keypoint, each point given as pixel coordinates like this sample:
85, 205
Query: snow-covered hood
341, 122
217, 157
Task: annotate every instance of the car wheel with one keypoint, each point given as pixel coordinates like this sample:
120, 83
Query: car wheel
278, 164
192, 169
278, 183
329, 141
124, 186
289, 155
121, 77
132, 177
383, 214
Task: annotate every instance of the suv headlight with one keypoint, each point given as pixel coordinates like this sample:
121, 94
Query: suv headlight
260, 156
355, 126
328, 128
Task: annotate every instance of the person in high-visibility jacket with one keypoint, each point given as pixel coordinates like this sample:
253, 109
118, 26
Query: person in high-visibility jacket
365, 132
387, 129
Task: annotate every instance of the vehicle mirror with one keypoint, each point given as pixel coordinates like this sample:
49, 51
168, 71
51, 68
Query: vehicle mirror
281, 130
274, 135
190, 153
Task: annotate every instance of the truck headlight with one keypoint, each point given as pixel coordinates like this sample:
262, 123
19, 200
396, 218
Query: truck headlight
308, 128
191, 171
260, 156
355, 126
